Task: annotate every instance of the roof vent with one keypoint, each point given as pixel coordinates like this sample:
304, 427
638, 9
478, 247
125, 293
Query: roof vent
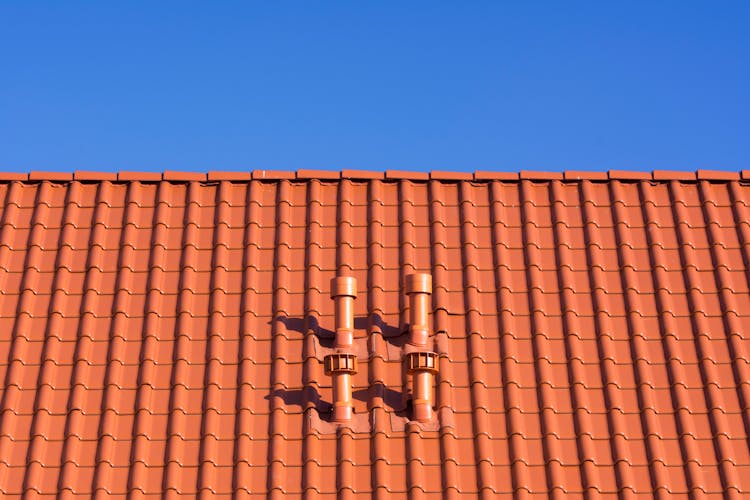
422, 364
343, 363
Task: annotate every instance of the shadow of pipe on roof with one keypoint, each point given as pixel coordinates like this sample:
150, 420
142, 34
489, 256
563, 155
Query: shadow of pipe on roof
391, 398
392, 334
301, 398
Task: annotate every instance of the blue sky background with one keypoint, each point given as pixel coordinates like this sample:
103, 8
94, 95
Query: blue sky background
376, 85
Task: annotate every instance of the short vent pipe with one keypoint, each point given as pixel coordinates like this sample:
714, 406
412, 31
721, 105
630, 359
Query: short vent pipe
342, 364
421, 364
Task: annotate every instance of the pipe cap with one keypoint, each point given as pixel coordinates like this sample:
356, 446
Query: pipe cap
344, 286
419, 283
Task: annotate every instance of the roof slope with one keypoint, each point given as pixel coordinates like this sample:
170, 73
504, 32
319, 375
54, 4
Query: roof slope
165, 335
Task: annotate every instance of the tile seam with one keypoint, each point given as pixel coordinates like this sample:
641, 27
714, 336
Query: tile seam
601, 305
476, 370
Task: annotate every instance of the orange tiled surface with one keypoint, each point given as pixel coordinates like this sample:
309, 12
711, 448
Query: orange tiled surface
166, 336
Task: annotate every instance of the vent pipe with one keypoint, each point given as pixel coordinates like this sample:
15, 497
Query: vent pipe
419, 288
422, 364
343, 363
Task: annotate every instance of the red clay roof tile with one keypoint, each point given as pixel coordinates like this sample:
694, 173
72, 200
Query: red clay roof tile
139, 176
229, 175
717, 175
169, 337
535, 175
451, 176
84, 175
13, 176
318, 174
36, 175
178, 176
669, 175
629, 175
495, 176
361, 174
572, 175
273, 174
407, 174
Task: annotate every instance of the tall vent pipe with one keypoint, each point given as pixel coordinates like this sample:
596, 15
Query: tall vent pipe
421, 364
343, 363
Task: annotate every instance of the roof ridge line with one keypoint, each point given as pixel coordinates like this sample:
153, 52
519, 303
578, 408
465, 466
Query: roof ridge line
389, 175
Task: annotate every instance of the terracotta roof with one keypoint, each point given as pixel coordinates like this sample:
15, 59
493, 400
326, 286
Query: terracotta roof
166, 333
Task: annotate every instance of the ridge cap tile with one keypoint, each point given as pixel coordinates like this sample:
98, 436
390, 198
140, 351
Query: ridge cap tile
318, 174
362, 174
446, 175
274, 175
14, 176
41, 175
629, 175
673, 175
589, 175
139, 176
229, 175
411, 175
717, 175
486, 175
182, 176
539, 175
745, 174
90, 175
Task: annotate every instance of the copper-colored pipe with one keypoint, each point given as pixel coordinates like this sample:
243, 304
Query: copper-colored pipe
342, 365
419, 288
342, 397
343, 292
422, 400
422, 364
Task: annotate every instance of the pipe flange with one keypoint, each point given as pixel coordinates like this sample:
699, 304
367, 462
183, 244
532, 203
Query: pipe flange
422, 361
340, 363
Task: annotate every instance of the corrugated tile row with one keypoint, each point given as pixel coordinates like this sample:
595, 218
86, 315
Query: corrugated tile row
163, 334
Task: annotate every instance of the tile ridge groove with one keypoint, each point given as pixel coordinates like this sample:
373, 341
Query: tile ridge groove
9, 439
511, 388
472, 323
539, 324
606, 346
210, 457
344, 443
276, 446
702, 345
146, 374
449, 467
677, 375
41, 422
571, 327
311, 451
242, 478
648, 399
177, 425
741, 216
107, 431
378, 347
77, 401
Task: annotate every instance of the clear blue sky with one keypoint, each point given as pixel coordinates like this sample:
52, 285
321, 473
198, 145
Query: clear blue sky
374, 85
